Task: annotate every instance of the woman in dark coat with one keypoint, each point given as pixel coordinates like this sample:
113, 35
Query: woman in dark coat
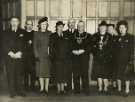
41, 49
124, 56
102, 57
60, 53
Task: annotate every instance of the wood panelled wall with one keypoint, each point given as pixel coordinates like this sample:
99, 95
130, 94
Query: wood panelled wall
91, 11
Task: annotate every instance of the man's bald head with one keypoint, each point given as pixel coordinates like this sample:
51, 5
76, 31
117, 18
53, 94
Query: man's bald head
71, 23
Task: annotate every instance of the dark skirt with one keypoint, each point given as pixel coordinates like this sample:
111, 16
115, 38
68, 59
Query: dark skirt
101, 70
125, 72
43, 68
61, 70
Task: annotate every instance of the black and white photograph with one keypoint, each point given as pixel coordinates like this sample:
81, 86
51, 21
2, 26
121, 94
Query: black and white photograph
67, 50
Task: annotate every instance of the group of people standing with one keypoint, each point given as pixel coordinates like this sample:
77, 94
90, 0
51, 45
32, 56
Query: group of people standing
65, 56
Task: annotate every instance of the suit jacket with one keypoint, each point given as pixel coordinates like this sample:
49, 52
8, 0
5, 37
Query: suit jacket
60, 47
13, 41
82, 41
70, 34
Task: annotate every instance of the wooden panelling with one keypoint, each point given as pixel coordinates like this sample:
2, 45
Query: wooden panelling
91, 11
77, 8
127, 9
103, 9
65, 8
41, 8
30, 8
114, 9
91, 8
54, 8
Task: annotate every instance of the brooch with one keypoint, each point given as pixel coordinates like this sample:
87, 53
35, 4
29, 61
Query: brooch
30, 42
21, 35
119, 39
66, 38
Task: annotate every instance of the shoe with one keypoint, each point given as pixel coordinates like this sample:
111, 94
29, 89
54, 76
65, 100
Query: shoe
126, 94
119, 93
46, 93
86, 92
12, 95
21, 94
63, 92
42, 93
58, 93
76, 92
107, 93
100, 93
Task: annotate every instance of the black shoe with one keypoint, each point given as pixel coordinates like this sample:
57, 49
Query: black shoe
21, 94
46, 93
69, 92
86, 92
107, 93
61, 93
12, 95
119, 93
100, 93
76, 92
42, 93
126, 94
58, 93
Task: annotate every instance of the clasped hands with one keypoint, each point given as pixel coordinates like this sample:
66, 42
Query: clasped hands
78, 52
17, 55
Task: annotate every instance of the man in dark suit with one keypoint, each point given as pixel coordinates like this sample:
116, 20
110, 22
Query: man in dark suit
81, 49
13, 51
70, 34
29, 61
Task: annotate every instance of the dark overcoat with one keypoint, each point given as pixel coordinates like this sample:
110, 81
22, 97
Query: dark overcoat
60, 52
124, 56
102, 56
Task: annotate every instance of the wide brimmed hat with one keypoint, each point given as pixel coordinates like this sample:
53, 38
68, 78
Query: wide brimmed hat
103, 23
43, 20
60, 23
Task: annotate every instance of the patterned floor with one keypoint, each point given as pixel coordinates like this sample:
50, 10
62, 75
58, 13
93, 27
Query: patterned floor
69, 99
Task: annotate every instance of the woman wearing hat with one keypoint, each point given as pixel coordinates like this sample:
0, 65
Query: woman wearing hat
41, 49
124, 58
102, 58
60, 52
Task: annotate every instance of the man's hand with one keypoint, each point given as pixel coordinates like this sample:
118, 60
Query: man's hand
11, 54
75, 52
18, 55
81, 51
30, 42
78, 52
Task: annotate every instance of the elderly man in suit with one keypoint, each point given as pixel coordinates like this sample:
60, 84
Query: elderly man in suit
81, 47
14, 52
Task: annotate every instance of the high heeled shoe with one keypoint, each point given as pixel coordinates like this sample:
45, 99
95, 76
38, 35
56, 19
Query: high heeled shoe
126, 94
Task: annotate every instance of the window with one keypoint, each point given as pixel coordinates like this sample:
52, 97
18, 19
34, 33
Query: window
91, 11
